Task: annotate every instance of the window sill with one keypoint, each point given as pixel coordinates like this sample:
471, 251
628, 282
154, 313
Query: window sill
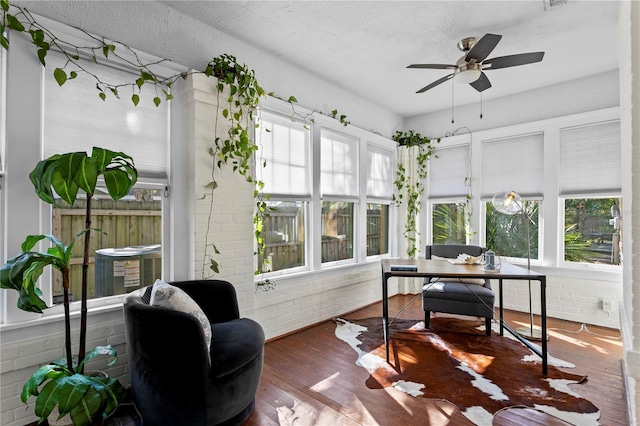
47, 318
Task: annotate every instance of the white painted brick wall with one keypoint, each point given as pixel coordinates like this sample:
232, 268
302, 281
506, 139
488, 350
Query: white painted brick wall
223, 217
25, 349
311, 298
573, 299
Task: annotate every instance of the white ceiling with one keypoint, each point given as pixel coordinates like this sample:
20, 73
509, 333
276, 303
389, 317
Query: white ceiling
365, 46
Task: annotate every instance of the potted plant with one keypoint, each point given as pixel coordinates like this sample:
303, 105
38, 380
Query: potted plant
86, 398
410, 177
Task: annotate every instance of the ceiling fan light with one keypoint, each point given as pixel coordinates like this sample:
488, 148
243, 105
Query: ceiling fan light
467, 76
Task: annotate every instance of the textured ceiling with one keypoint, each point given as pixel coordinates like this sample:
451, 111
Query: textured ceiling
365, 46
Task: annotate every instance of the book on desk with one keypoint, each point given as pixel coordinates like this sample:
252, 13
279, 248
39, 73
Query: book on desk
410, 268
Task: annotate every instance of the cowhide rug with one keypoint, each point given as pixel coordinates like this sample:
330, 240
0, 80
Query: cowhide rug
454, 360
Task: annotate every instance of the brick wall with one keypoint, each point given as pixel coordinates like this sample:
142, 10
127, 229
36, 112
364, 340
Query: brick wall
24, 349
569, 298
224, 216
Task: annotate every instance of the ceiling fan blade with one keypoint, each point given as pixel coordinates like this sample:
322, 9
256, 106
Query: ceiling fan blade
433, 66
483, 47
513, 60
435, 83
481, 84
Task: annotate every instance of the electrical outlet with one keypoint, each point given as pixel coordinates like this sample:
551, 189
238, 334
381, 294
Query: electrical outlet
606, 305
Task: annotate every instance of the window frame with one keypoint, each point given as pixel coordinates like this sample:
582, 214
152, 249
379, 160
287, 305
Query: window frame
604, 267
316, 122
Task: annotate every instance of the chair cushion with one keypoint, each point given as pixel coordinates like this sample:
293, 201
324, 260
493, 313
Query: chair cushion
234, 344
458, 291
167, 296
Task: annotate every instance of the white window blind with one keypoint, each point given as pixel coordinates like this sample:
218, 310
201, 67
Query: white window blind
338, 165
513, 164
379, 174
448, 173
76, 119
590, 159
285, 146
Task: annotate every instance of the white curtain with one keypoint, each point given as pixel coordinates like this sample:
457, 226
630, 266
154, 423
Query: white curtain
380, 175
76, 119
585, 149
338, 165
448, 173
513, 164
285, 146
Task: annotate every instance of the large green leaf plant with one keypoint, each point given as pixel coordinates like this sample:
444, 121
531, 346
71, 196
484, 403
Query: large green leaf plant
63, 382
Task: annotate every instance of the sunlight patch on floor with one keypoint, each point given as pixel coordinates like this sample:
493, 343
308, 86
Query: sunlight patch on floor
438, 412
577, 342
324, 384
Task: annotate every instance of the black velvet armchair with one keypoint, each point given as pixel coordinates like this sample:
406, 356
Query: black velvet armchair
175, 378
456, 296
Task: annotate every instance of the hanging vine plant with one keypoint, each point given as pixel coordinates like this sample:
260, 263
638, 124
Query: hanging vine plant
235, 149
409, 183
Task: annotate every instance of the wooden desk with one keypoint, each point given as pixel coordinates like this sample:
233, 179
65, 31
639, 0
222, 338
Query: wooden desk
443, 269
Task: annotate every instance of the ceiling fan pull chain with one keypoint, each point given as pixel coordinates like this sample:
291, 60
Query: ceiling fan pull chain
452, 86
480, 105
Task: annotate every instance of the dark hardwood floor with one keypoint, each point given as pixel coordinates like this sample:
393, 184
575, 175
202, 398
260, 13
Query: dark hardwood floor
315, 372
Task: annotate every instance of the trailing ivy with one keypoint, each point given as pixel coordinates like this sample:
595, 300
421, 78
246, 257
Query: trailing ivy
410, 186
45, 40
235, 149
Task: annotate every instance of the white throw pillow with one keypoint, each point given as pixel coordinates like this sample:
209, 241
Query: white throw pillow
167, 296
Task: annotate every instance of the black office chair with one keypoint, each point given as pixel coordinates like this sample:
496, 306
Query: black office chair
455, 296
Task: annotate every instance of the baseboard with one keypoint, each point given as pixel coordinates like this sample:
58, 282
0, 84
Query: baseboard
629, 383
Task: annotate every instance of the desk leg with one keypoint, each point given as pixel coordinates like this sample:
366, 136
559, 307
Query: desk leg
501, 307
543, 314
385, 315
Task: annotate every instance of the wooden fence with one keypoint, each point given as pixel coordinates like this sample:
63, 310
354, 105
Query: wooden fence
122, 223
285, 231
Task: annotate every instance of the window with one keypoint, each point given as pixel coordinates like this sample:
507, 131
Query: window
125, 243
592, 220
337, 231
285, 151
379, 195
377, 229
449, 177
329, 188
513, 235
513, 164
339, 191
448, 223
592, 230
126, 252
283, 232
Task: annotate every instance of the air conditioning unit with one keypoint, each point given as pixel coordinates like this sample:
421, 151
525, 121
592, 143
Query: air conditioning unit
122, 270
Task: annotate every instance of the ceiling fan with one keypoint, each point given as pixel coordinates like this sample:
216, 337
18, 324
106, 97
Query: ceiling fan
469, 68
